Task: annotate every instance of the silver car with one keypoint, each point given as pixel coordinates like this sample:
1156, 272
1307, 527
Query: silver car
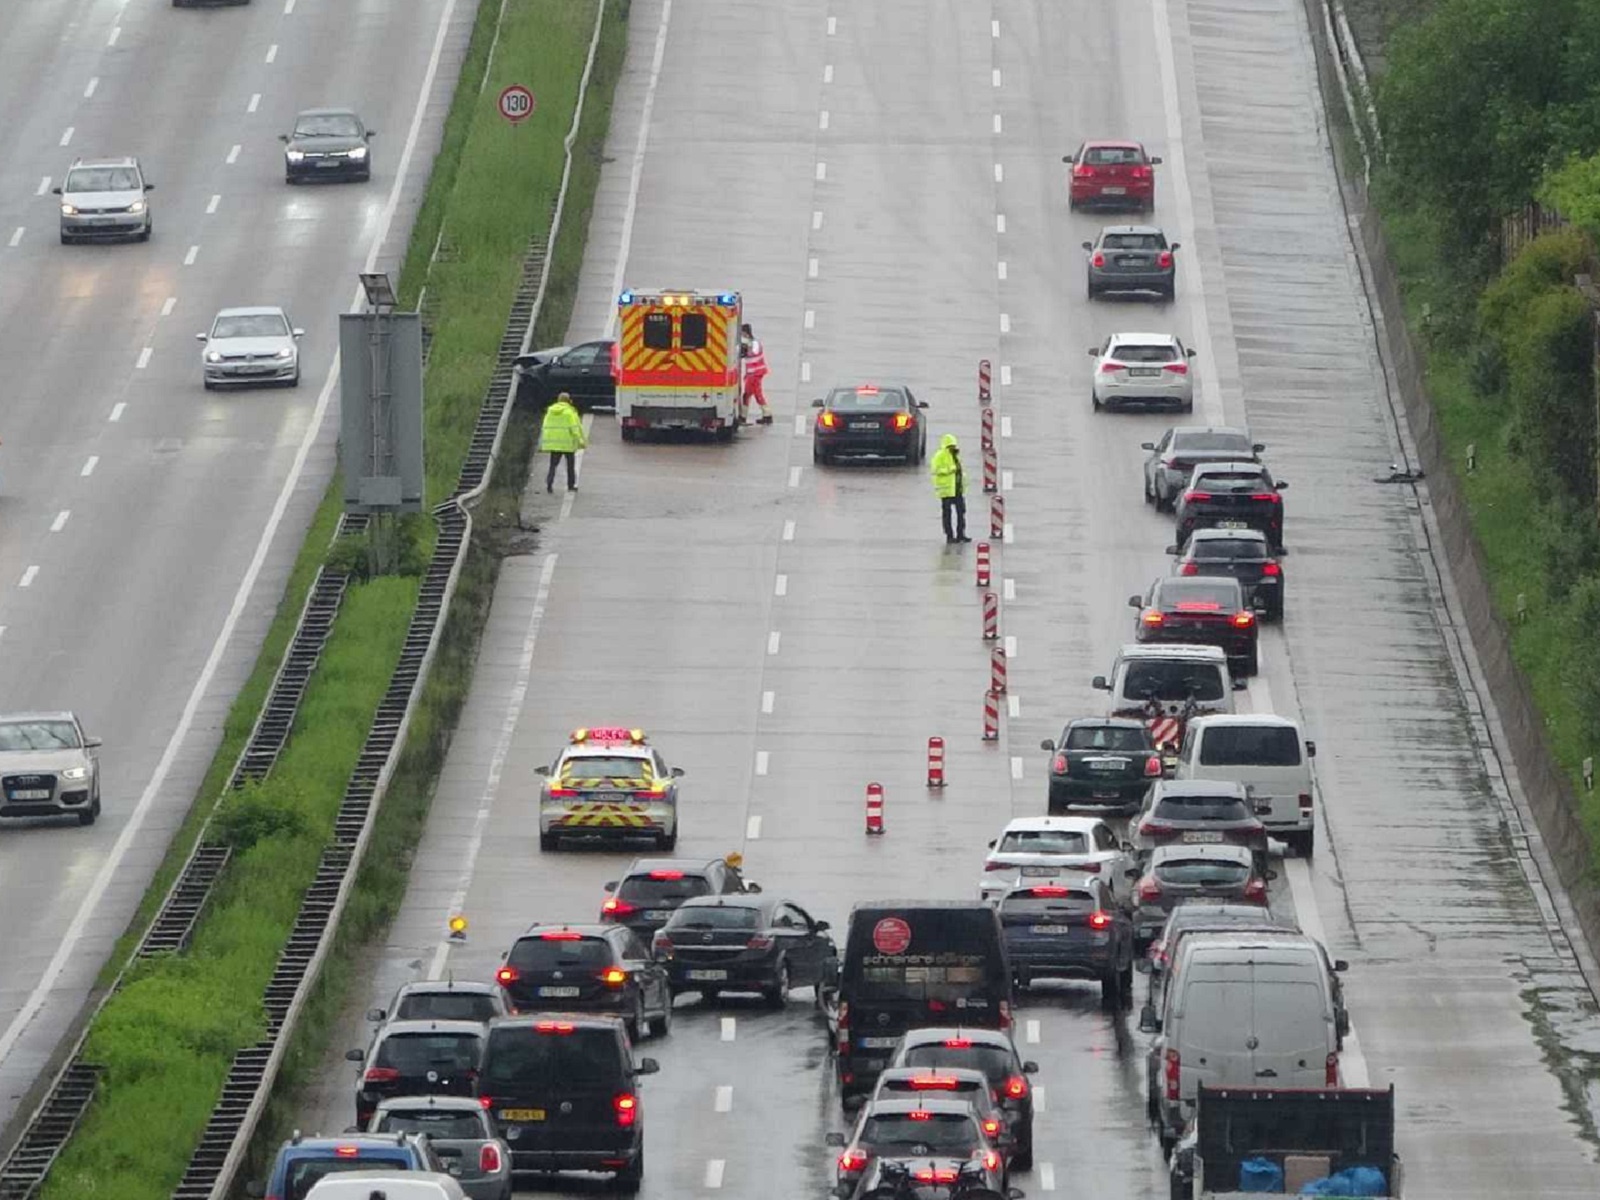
105, 198
1144, 369
460, 1133
48, 767
251, 345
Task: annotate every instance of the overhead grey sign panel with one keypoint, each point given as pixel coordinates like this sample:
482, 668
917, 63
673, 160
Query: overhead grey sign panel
380, 422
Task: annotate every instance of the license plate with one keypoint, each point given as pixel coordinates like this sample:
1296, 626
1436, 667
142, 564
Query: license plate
31, 794
1107, 794
708, 974
328, 162
560, 991
522, 1114
1233, 524
1050, 929
877, 1043
1197, 835
608, 796
1144, 372
657, 914
1040, 872
864, 425
1113, 191
1108, 764
1130, 260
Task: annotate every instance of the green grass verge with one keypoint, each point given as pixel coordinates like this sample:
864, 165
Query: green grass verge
167, 1037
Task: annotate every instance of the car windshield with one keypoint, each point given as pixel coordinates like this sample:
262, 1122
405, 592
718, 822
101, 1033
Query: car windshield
1201, 870
1143, 352
250, 325
1172, 681
555, 954
1113, 156
523, 1058
445, 1006
1043, 841
1236, 481
1228, 549
1133, 241
304, 1172
996, 1062
434, 1122
1201, 808
1199, 592
1108, 737
1251, 745
597, 766
642, 889
715, 916
419, 1053
939, 1131
327, 125
101, 179
867, 399
1209, 441
38, 735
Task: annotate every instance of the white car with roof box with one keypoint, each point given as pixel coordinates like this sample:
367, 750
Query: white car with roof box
1034, 850
1270, 756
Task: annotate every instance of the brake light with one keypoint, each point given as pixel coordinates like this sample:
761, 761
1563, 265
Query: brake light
661, 944
997, 865
991, 1128
1092, 868
1099, 259
1110, 366
348, 1151
1016, 1087
486, 1102
991, 1161
1153, 618
649, 793
1330, 1071
827, 420
1256, 890
1099, 920
936, 1175
1191, 568
902, 421
1174, 1065
1165, 260
1048, 889
506, 976
853, 1160
958, 1043
1060, 765
626, 1106
617, 908
1199, 606
1176, 368
1243, 620
613, 977
1083, 171
844, 1015
666, 874
563, 793
1140, 172
930, 1083
561, 935
1151, 828
489, 1158
1152, 766
552, 1026
1267, 497
381, 1074
1305, 804
920, 1115
1271, 568
1197, 497
1149, 888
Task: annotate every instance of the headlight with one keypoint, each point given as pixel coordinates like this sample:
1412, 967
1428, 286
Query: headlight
359, 152
294, 155
136, 207
75, 774
213, 356
285, 354
68, 210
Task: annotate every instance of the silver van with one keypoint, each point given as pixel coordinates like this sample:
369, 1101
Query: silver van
1178, 680
1240, 1010
1270, 756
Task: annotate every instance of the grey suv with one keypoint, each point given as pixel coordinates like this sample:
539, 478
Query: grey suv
48, 768
105, 198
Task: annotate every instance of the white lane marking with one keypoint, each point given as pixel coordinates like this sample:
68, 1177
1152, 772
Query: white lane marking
1007, 478
1000, 268
1008, 534
211, 204
780, 586
116, 32
1011, 647
805, 372
822, 174
168, 305
833, 26
1009, 589
997, 124
1038, 1100
752, 827
1032, 1031
1013, 708
724, 1100
788, 531
67, 136
16, 237
811, 263
995, 77
999, 173
44, 186
89, 88
144, 359
88, 469
1005, 375
112, 864
255, 102
1016, 767
117, 409
794, 481
288, 7
999, 222
768, 699
497, 760
637, 172
61, 520
774, 639
816, 218
1005, 322
272, 52
714, 1169
827, 73
728, 1027
799, 424
194, 253
1047, 1177
29, 576
233, 154
811, 318
763, 761
994, 28
822, 119
1005, 426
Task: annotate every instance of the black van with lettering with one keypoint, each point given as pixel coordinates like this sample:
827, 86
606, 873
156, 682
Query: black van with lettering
912, 963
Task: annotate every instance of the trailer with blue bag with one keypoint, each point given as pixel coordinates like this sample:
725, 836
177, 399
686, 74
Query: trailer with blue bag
1329, 1142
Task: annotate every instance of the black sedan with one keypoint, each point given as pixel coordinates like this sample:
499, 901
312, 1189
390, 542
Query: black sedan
1182, 448
1200, 611
745, 943
1232, 495
1242, 554
880, 422
1101, 763
1132, 258
327, 143
587, 968
582, 371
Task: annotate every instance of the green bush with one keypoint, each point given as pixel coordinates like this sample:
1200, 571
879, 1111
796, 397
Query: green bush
246, 816
1582, 666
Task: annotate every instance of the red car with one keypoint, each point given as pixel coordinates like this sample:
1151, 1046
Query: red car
1114, 174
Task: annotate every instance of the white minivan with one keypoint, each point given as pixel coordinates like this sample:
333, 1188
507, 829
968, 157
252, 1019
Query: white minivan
1270, 756
1240, 1010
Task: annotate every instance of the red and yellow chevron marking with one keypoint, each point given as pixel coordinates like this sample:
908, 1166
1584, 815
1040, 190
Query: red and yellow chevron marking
597, 815
707, 367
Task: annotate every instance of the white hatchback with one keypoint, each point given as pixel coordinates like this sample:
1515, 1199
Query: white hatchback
1034, 850
251, 345
1142, 369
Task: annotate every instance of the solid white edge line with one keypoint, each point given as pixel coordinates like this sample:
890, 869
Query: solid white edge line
141, 810
637, 172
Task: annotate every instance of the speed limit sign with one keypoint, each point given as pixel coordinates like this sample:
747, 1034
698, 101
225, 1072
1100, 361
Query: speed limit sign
516, 103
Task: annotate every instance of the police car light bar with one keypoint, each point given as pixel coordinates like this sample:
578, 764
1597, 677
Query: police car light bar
608, 733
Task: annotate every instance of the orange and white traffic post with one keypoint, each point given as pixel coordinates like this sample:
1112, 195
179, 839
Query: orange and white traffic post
997, 670
988, 428
991, 716
991, 616
997, 516
936, 762
874, 809
991, 469
983, 564
983, 381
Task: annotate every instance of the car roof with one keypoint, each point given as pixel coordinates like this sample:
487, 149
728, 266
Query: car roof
366, 1141
1227, 535
1105, 723
1197, 583
1244, 720
1229, 429
326, 112
592, 929
1216, 468
586, 1020
891, 386
731, 900
906, 1104
1200, 787
405, 1185
1136, 336
1287, 945
1111, 144
473, 986
441, 1103
1222, 853
641, 866
1131, 229
252, 310
40, 715
1045, 824
1208, 908
1182, 650
125, 160
929, 1035
428, 1025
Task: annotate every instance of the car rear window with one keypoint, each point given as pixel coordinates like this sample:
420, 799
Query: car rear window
1043, 841
940, 1131
523, 1057
1201, 808
434, 1122
1210, 442
1024, 909
303, 1173
1143, 352
1230, 548
551, 954
867, 399
642, 889
996, 1062
1113, 156
1221, 592
1250, 746
445, 1006
1236, 481
1202, 870
1172, 681
596, 766
1133, 241
715, 916
419, 1053
1107, 737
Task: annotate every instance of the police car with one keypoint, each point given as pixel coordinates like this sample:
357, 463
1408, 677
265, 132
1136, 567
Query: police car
609, 783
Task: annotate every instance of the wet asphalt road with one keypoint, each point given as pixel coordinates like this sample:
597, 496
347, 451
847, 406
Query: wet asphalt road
883, 183
134, 503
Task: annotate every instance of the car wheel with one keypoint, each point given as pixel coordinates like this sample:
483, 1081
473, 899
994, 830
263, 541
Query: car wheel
547, 841
636, 1025
1303, 844
1169, 292
1125, 985
1188, 405
1094, 398
67, 239
1022, 1160
669, 841
91, 814
662, 1025
629, 434
1149, 496
777, 995
816, 454
295, 382
144, 234
1110, 990
632, 1175
1252, 662
1091, 290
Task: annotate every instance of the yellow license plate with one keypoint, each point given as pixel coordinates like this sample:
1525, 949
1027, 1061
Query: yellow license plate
522, 1114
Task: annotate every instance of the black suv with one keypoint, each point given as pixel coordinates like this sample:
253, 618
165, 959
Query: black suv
563, 1090
1233, 495
417, 1058
601, 968
652, 888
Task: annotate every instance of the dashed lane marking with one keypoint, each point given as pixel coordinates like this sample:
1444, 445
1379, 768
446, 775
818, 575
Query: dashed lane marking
822, 174
116, 32
168, 305
1011, 647
816, 218
827, 73
1047, 1177
1009, 587
272, 52
994, 77
89, 88
233, 154
1005, 426
999, 173
1005, 375
117, 409
1039, 1105
799, 424
780, 586
763, 762
714, 1170
811, 263
90, 465
1016, 767
752, 829
44, 186
788, 531
805, 372
1005, 322
728, 1027
211, 205
1000, 268
16, 237
833, 26
66, 137
144, 359
194, 253
29, 576
724, 1100
822, 119
255, 102
794, 481
61, 520
997, 123
999, 222
768, 700
1013, 705
1007, 539
811, 318
994, 28
1032, 1031
1007, 478
774, 639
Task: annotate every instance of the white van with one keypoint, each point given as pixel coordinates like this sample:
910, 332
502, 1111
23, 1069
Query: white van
1240, 1010
1170, 675
1270, 756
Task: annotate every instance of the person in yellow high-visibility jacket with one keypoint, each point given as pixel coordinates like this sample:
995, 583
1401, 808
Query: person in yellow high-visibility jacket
561, 436
950, 485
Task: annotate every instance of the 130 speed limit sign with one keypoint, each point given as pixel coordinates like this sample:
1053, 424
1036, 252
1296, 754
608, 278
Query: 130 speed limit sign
516, 103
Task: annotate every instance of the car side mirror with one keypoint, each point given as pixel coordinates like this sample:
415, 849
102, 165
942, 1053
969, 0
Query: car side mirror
1047, 744
541, 770
1239, 685
1175, 246
753, 888
1311, 749
255, 1189
355, 1056
376, 1014
1258, 447
992, 842
1099, 684
611, 885
647, 1066
1066, 158
817, 403
201, 337
1340, 964
283, 137
1094, 351
1142, 965
1155, 161
1173, 550
677, 772
1148, 1021
1191, 353
922, 404
149, 187
372, 133
834, 1139
1015, 1194
1135, 602
1127, 847
1147, 445
1280, 485
1030, 1067
299, 333
91, 743
1131, 872
821, 927
1270, 874
55, 191
1088, 245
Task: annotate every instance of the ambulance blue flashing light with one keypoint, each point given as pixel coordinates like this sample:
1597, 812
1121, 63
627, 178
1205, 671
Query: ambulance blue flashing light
625, 298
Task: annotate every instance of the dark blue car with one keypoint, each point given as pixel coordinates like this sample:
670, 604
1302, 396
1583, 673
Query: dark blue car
1069, 931
301, 1161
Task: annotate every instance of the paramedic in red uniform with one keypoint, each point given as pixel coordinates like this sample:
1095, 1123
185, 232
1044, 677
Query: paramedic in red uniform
755, 370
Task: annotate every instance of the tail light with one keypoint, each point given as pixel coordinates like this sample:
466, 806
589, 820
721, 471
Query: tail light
1165, 260
991, 1127
661, 944
561, 935
381, 1074
1099, 920
1060, 765
1256, 890
552, 1026
1197, 497
1305, 806
563, 793
1092, 868
1083, 171
1153, 618
761, 941
991, 1161
347, 1151
1005, 1014
489, 1162
920, 1114
853, 1160
1271, 568
1330, 1071
827, 420
1016, 1088
506, 976
844, 1015
1149, 889
666, 874
486, 1102
994, 865
1111, 366
902, 422
617, 908
1155, 829
1176, 368
1267, 497
1243, 620
626, 1106
1191, 568
648, 794
1152, 766
1099, 259
958, 1043
1140, 172
613, 977
1173, 1073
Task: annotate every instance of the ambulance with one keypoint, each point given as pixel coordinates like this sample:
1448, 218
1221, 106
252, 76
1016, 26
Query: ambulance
677, 362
